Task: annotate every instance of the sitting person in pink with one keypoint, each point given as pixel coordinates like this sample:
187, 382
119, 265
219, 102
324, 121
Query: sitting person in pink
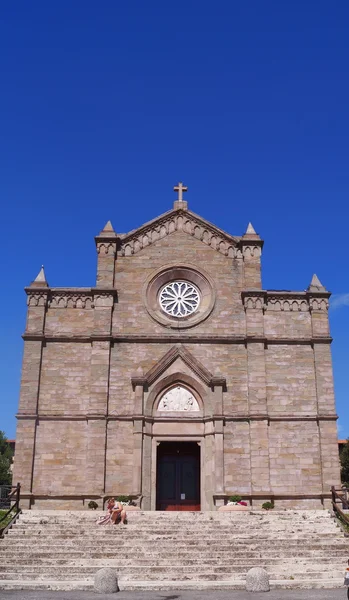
115, 513
118, 512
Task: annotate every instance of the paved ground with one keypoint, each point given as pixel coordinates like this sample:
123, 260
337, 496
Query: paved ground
187, 595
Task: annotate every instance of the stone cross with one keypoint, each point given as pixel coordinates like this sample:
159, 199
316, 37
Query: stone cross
180, 188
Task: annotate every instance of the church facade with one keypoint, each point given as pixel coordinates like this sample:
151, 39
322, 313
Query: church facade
177, 380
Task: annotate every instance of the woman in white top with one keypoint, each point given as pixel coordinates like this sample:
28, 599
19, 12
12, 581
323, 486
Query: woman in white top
118, 513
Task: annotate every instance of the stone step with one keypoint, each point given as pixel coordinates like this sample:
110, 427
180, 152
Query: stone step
225, 543
173, 550
134, 567
191, 525
172, 525
175, 547
57, 552
185, 516
132, 531
123, 530
146, 574
292, 512
168, 585
221, 560
178, 545
259, 520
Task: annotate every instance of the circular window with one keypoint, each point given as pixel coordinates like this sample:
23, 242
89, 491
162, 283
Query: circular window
179, 299
179, 296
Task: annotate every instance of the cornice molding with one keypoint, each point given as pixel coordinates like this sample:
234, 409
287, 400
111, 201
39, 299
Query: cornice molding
181, 220
153, 419
70, 297
285, 301
190, 339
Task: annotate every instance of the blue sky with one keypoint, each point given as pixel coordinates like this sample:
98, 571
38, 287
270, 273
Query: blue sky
106, 105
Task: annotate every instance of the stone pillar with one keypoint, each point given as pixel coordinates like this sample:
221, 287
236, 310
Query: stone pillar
329, 454
137, 456
254, 305
260, 467
219, 456
138, 385
99, 378
24, 458
218, 386
38, 294
106, 244
257, 389
208, 466
324, 379
100, 351
96, 455
147, 467
251, 248
318, 298
99, 391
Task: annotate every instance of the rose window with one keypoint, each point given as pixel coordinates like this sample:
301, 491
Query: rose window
179, 298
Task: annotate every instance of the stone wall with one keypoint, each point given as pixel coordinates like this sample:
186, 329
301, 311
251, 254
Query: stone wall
132, 273
60, 458
95, 366
65, 378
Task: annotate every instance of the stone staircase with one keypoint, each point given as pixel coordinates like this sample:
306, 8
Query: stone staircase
169, 550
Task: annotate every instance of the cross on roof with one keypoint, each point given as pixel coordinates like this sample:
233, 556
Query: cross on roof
180, 188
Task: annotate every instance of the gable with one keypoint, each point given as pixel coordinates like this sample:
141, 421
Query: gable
179, 351
178, 220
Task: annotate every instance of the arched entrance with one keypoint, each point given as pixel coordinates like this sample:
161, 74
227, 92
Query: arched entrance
178, 476
178, 434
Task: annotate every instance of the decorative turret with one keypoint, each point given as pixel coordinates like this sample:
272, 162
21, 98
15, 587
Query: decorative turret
40, 280
251, 247
37, 298
318, 302
316, 285
106, 251
250, 230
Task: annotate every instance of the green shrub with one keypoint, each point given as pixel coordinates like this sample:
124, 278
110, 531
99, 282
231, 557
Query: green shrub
6, 456
6, 521
344, 459
125, 500
235, 498
268, 505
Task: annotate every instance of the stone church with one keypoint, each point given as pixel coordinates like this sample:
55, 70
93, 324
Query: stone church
177, 380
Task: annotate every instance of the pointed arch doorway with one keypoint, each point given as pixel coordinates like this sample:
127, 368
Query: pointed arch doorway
178, 401
178, 476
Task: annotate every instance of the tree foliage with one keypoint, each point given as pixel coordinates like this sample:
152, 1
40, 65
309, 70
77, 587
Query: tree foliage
344, 458
6, 455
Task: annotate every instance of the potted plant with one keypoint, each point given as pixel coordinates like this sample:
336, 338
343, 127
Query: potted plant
268, 505
235, 503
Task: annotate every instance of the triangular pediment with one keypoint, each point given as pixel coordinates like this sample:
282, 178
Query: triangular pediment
178, 351
178, 220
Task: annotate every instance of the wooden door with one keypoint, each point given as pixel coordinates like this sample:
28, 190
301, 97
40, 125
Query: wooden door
178, 477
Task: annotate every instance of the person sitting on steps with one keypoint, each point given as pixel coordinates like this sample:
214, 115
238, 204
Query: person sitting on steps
118, 512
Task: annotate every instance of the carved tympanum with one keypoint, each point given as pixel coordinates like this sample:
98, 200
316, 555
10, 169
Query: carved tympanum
178, 399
